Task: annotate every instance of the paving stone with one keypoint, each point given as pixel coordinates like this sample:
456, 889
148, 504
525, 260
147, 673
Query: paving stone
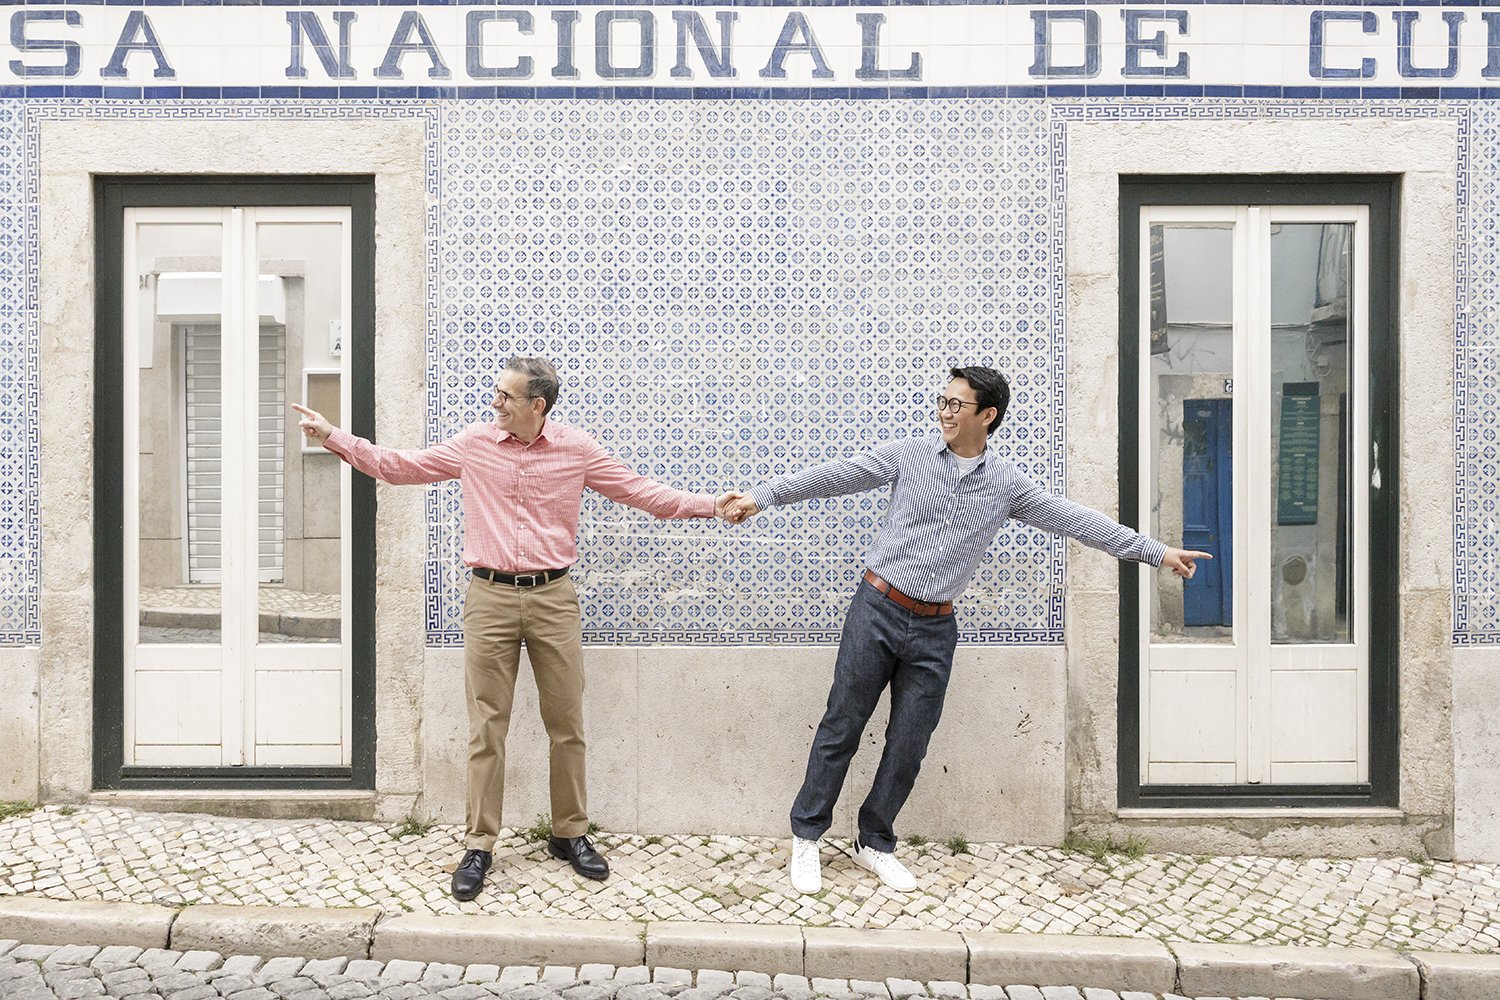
519, 975
79, 989
699, 993
153, 957
481, 973
905, 988
752, 993
129, 975
364, 968
1023, 993
559, 974
34, 952
200, 991
118, 954
825, 986
667, 976
1061, 993
168, 979
464, 991
443, 970
349, 991
199, 961
947, 988
325, 966
403, 991
595, 972
631, 975
977, 992
242, 965
639, 991
284, 967
55, 974
714, 979
7, 945
587, 991
869, 988
1094, 993
784, 981
1136, 995
293, 986
401, 970
750, 978
73, 954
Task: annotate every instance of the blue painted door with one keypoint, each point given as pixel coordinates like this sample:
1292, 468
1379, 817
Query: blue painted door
1207, 509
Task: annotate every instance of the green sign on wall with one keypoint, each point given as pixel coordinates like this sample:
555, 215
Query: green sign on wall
1297, 472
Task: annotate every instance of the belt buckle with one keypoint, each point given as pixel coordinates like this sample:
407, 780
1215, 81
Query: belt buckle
531, 577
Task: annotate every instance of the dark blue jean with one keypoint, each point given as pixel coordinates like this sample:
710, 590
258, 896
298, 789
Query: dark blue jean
882, 644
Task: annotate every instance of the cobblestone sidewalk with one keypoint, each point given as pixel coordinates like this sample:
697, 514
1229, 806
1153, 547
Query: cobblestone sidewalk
101, 853
78, 972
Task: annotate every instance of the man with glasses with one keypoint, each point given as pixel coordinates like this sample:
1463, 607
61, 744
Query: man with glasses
523, 477
950, 495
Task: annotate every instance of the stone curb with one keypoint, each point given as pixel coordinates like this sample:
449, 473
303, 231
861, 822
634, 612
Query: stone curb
37, 920
509, 940
1122, 963
815, 952
272, 931
1280, 971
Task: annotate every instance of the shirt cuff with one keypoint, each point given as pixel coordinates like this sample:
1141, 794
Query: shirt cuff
764, 497
1153, 551
339, 442
702, 505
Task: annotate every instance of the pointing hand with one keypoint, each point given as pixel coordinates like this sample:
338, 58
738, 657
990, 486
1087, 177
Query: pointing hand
1182, 561
313, 424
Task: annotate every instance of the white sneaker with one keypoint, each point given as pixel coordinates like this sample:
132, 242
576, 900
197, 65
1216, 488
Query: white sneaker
805, 868
884, 864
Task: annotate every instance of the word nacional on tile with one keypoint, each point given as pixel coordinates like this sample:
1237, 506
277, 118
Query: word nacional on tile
819, 44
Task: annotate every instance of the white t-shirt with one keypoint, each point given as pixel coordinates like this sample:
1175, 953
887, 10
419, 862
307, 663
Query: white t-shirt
966, 465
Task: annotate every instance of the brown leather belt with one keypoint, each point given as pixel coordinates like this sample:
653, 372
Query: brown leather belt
916, 607
536, 579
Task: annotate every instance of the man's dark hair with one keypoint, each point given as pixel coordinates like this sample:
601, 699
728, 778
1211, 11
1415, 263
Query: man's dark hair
990, 388
541, 378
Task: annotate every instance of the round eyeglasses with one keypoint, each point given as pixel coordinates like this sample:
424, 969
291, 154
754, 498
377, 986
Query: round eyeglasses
946, 404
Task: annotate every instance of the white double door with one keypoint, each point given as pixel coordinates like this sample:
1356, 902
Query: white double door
1255, 421
236, 554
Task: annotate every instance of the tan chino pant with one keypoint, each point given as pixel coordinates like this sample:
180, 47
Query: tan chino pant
498, 618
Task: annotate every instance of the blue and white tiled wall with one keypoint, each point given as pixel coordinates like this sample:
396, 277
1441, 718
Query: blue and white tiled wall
738, 287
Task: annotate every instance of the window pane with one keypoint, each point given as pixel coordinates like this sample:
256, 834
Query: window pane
1192, 370
1310, 327
300, 501
180, 422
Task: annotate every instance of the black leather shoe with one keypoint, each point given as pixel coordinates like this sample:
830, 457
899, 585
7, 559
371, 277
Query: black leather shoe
578, 852
468, 877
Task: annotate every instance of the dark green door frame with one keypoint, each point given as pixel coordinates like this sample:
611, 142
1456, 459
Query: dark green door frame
112, 195
1381, 194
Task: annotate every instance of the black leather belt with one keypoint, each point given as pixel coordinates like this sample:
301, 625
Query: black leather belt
519, 579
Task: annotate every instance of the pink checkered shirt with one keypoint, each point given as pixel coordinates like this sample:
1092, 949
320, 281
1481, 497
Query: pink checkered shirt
521, 501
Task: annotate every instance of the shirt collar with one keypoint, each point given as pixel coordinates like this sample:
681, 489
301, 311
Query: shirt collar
940, 446
547, 432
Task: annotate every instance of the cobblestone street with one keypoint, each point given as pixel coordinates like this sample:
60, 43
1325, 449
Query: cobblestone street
77, 972
99, 853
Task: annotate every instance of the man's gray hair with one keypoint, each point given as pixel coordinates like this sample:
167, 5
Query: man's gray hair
541, 378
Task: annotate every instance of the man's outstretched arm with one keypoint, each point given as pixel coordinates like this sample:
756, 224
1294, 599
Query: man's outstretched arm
1033, 505
389, 465
879, 466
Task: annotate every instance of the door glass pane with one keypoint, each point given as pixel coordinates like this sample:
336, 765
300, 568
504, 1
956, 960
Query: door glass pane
1191, 414
301, 297
180, 419
1310, 489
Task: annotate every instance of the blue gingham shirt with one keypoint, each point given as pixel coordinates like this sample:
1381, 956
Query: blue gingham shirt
938, 525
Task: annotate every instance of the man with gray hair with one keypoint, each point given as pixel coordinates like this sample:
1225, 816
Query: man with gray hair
523, 478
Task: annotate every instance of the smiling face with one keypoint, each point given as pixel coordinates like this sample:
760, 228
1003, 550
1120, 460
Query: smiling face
516, 412
965, 431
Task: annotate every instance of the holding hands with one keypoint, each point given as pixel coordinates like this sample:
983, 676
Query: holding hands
738, 508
